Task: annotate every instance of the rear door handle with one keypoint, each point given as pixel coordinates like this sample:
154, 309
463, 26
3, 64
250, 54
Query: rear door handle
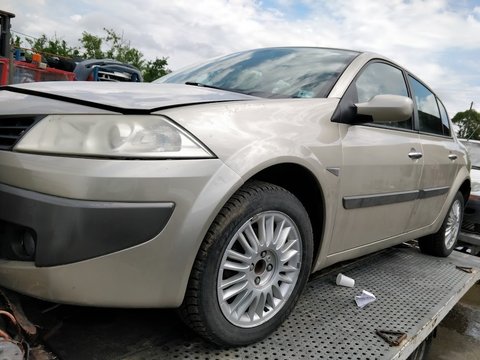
452, 157
413, 154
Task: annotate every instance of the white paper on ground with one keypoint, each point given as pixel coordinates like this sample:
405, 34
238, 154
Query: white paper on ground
364, 299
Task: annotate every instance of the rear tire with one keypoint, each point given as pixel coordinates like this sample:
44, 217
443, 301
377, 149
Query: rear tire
251, 268
444, 240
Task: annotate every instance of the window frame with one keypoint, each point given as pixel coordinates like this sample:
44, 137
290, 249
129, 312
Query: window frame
341, 112
440, 106
344, 101
415, 111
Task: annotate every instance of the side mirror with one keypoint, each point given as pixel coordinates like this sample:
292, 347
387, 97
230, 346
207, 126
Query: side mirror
387, 108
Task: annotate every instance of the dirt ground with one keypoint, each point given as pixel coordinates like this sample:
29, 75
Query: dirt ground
458, 335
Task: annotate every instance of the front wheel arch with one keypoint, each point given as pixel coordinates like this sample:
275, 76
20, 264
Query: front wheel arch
201, 309
302, 183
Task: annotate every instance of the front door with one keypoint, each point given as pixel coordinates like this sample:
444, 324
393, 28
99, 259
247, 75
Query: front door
381, 169
378, 185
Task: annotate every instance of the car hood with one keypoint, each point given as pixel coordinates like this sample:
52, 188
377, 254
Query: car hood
126, 97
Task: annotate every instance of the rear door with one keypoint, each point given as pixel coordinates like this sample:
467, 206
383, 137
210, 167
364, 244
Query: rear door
441, 155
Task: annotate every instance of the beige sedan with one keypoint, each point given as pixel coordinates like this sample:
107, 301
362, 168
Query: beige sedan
220, 188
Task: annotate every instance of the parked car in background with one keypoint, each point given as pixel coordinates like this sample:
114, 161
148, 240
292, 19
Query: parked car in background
106, 70
220, 188
470, 233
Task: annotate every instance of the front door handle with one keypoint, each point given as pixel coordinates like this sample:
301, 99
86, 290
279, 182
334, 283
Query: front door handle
413, 154
452, 157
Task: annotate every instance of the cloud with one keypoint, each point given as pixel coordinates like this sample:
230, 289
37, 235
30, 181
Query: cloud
76, 18
421, 35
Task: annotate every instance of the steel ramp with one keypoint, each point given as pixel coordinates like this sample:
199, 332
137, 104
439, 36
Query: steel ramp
414, 293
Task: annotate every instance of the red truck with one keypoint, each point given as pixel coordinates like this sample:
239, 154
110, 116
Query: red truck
28, 72
20, 71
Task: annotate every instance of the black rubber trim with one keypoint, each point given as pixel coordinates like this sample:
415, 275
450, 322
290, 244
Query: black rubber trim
363, 201
428, 193
69, 230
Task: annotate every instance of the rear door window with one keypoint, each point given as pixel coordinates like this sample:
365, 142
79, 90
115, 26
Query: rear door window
427, 107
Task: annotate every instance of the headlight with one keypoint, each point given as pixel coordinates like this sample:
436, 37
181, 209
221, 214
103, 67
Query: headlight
125, 136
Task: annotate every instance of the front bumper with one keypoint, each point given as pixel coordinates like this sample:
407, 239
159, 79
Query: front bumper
125, 258
62, 231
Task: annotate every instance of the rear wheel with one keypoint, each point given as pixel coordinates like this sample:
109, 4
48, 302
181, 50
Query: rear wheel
251, 267
444, 240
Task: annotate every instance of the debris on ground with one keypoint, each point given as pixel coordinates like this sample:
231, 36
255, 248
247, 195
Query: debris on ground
393, 338
364, 298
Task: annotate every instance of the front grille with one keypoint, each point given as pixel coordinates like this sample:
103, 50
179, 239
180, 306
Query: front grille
12, 128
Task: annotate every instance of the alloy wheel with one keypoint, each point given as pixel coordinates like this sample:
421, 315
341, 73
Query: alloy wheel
259, 269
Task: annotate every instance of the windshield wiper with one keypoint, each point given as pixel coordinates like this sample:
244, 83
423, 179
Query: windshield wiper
204, 85
193, 83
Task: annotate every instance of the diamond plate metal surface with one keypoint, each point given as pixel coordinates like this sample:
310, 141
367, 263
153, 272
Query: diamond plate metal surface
411, 289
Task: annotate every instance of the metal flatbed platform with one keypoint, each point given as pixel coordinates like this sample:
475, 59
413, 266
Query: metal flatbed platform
414, 293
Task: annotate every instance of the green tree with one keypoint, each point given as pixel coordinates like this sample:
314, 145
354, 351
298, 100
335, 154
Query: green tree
117, 48
16, 41
91, 46
468, 122
52, 46
155, 69
120, 50
109, 46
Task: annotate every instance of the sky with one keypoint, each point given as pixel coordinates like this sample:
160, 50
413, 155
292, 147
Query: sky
437, 40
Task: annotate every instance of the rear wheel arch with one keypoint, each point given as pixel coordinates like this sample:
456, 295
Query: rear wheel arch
465, 189
442, 242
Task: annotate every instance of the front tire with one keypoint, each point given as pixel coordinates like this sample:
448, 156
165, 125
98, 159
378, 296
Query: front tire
251, 268
444, 240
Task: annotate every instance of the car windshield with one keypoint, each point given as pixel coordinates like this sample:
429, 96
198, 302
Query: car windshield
270, 73
473, 148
